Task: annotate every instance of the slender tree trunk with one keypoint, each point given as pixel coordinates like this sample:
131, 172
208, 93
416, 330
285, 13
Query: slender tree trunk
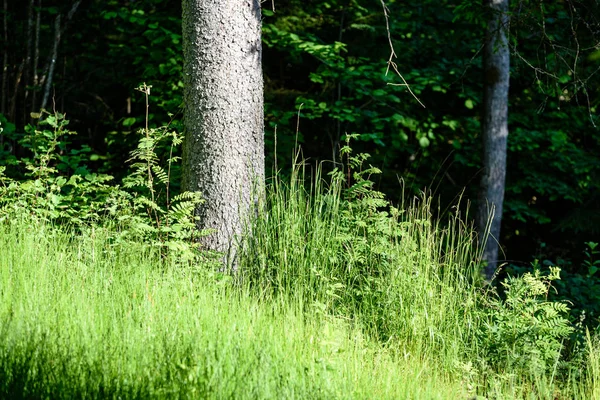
15, 97
59, 31
28, 60
48, 86
335, 142
36, 58
224, 117
496, 66
4, 60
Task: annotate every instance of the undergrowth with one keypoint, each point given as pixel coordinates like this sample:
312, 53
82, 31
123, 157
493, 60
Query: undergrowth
339, 293
82, 318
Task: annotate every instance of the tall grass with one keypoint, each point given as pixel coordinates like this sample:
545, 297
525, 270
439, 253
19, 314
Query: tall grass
592, 372
410, 282
395, 272
80, 318
339, 294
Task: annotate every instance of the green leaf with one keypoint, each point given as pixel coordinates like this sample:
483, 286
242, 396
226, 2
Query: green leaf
109, 15
129, 121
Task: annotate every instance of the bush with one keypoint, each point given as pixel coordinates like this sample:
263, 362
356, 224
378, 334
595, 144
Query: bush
522, 332
56, 188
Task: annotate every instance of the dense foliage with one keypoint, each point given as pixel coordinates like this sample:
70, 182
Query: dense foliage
327, 76
115, 298
338, 233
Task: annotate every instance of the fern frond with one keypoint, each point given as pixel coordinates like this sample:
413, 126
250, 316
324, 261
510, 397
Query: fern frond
160, 174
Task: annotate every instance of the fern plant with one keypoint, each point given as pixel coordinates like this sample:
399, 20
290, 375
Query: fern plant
524, 332
367, 230
55, 186
371, 221
151, 212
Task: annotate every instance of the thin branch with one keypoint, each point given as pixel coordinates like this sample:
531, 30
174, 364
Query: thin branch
393, 55
70, 14
272, 4
13, 101
28, 50
336, 140
566, 57
469, 63
534, 68
28, 61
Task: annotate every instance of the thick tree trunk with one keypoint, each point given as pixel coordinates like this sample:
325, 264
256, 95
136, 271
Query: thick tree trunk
496, 66
224, 117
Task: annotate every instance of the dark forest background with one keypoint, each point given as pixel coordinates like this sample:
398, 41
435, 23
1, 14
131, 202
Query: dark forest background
325, 61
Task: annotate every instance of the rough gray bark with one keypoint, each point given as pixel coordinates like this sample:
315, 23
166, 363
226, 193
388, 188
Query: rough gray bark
496, 66
224, 119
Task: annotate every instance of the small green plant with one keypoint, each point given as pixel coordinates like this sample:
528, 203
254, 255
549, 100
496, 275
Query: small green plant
41, 185
579, 285
583, 289
593, 363
147, 210
57, 187
522, 332
591, 263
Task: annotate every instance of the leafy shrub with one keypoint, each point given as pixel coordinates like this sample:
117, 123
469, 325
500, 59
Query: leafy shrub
56, 188
582, 290
579, 286
45, 190
147, 210
522, 332
339, 245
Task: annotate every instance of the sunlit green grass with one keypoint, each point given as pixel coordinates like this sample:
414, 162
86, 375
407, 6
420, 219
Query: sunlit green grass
80, 318
336, 296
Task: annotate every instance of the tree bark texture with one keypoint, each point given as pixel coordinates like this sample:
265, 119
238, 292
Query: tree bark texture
496, 66
224, 117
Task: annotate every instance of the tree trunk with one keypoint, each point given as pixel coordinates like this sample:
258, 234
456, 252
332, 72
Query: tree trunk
496, 66
28, 61
4, 62
224, 117
54, 55
36, 58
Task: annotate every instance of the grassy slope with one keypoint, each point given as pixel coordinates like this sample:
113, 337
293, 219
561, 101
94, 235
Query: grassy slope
345, 301
80, 318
